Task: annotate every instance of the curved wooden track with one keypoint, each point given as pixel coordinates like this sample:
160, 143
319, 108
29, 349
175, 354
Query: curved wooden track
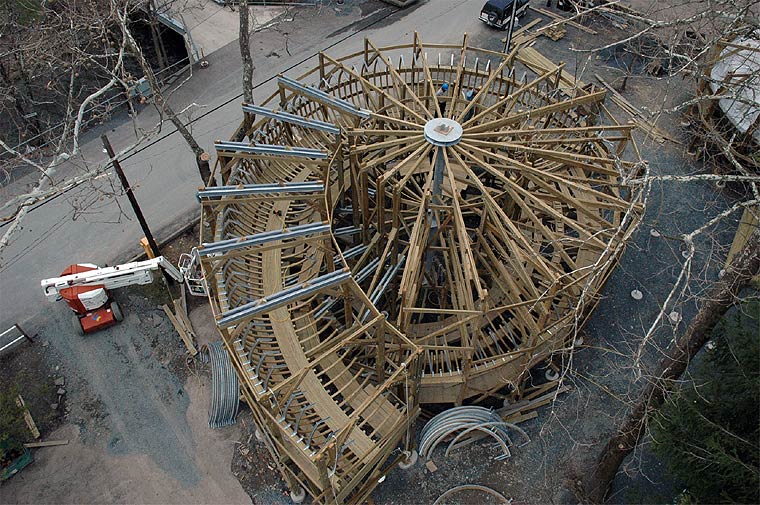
357, 269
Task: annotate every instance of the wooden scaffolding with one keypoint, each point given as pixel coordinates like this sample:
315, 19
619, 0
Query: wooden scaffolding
381, 240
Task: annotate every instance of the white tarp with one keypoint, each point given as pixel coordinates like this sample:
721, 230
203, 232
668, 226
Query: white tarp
737, 74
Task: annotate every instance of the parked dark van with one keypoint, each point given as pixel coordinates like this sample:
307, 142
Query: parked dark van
496, 13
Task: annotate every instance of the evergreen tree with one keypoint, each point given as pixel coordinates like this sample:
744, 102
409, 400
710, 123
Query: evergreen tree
709, 430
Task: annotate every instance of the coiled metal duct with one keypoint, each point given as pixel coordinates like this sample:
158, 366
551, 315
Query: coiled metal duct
225, 388
464, 425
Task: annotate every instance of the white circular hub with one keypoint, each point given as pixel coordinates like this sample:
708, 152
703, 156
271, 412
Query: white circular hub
443, 132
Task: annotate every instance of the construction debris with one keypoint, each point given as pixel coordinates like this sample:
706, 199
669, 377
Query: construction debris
534, 398
523, 35
563, 20
554, 32
28, 417
182, 324
638, 117
49, 443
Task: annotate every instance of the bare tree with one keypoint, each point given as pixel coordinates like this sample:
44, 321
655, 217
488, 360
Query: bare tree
722, 295
82, 78
107, 56
245, 54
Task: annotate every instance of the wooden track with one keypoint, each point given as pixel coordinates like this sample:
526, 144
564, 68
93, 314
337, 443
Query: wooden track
459, 282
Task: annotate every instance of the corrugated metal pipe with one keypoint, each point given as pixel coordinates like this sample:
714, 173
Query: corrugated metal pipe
225, 388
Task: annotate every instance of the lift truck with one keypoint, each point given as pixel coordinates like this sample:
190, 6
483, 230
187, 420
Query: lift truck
85, 288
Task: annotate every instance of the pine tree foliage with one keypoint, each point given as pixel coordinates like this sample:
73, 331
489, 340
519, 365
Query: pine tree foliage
13, 431
709, 429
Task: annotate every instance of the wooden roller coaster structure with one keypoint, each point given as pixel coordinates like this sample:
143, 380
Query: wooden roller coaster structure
378, 243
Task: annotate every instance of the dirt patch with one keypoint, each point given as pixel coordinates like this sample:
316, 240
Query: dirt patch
35, 369
180, 244
253, 466
91, 471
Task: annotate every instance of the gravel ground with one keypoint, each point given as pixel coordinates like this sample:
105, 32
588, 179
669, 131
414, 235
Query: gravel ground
140, 400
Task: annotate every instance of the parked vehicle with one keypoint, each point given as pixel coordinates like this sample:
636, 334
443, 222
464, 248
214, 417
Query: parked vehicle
497, 13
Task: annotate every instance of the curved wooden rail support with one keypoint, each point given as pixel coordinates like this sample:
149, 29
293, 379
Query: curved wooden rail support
471, 230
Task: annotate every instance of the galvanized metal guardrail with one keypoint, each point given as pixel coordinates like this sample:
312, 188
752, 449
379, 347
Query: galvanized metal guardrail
12, 338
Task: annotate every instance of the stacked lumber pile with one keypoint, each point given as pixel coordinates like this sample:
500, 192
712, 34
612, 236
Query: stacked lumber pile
554, 32
523, 35
531, 400
540, 64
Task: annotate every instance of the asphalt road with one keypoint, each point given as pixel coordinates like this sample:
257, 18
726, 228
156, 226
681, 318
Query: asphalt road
89, 224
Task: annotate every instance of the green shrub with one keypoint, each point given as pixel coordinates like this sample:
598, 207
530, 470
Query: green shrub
13, 430
708, 430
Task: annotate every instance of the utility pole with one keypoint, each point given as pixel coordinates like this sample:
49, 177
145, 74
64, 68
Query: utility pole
130, 195
511, 26
135, 206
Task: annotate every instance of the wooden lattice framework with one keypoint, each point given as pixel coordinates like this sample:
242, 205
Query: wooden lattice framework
359, 265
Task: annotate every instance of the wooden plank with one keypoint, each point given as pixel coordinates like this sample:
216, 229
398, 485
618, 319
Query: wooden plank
541, 64
28, 417
525, 406
49, 443
563, 20
181, 330
747, 225
522, 30
641, 121
519, 418
183, 319
183, 298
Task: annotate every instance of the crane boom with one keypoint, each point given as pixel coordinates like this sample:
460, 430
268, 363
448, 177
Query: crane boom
118, 276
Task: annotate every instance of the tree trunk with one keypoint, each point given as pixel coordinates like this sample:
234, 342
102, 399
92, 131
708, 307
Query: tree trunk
20, 124
152, 22
21, 67
245, 54
718, 300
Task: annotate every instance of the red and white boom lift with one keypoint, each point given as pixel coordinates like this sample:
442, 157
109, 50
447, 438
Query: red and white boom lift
85, 287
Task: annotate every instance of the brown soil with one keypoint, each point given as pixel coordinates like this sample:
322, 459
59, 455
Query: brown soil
33, 369
253, 465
